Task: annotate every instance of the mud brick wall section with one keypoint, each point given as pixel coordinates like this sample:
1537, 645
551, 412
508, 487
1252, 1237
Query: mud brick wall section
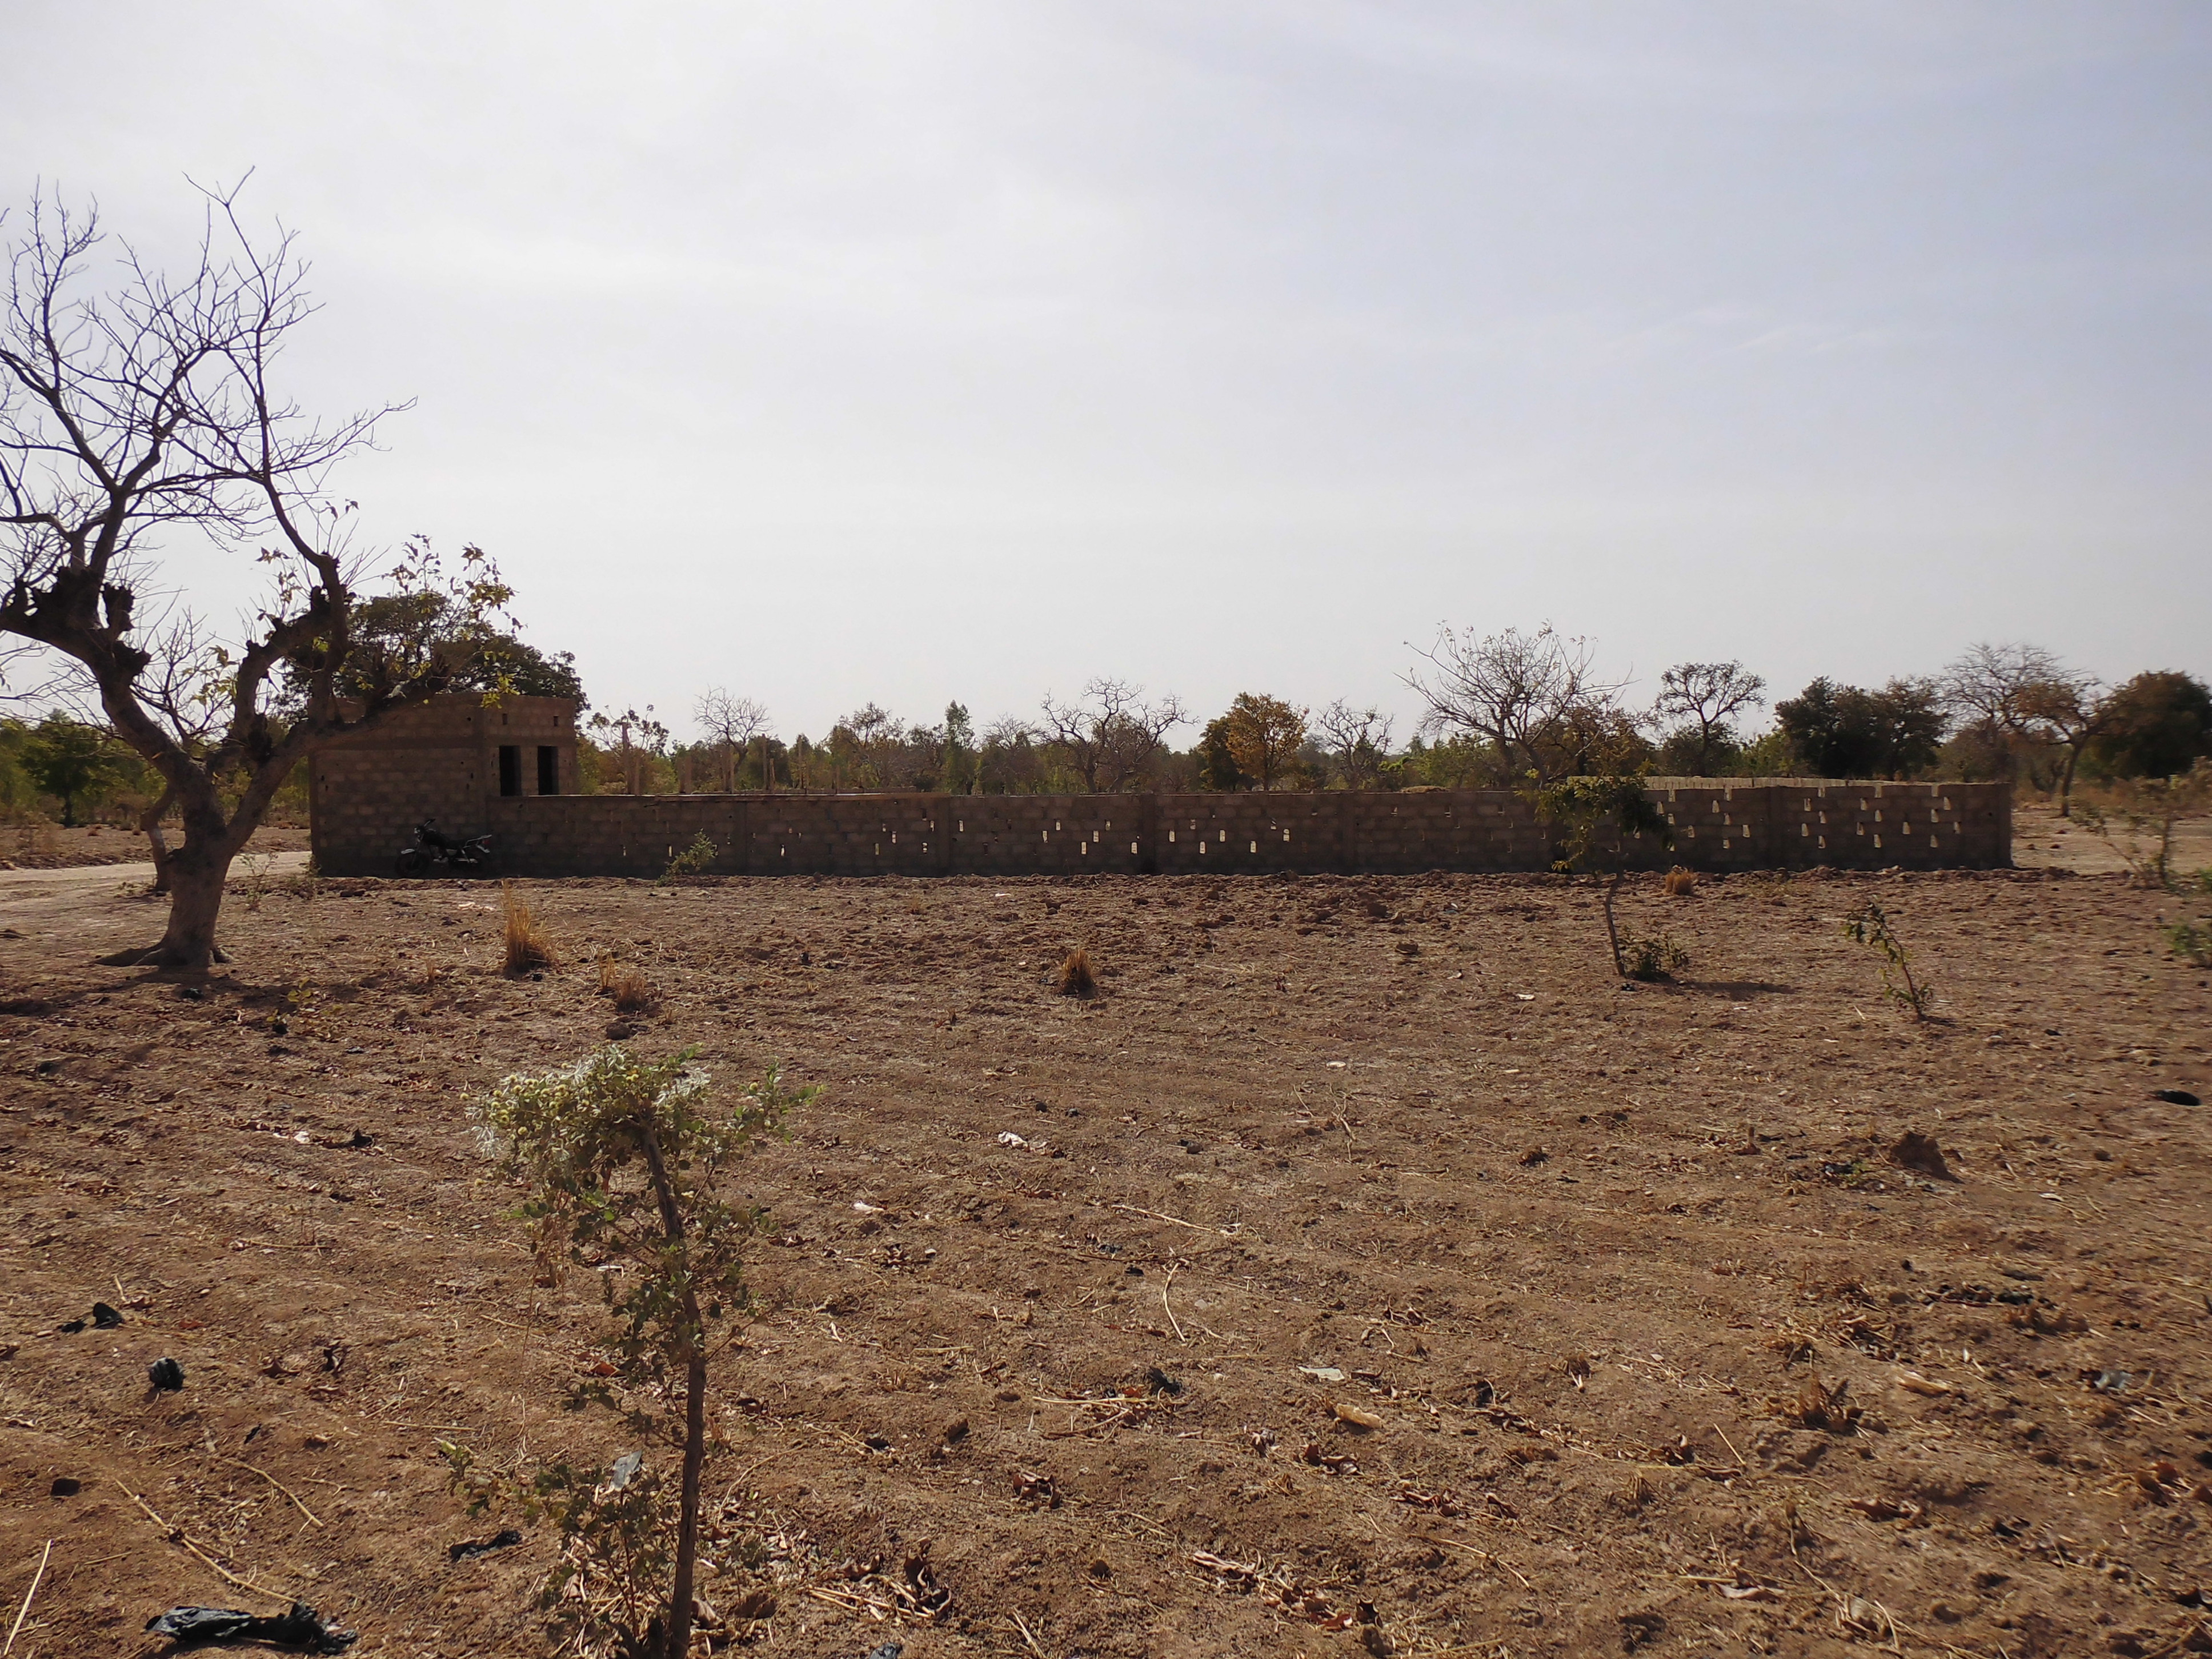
443, 760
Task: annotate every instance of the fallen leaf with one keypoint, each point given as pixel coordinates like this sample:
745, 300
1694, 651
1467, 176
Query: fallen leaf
1357, 1416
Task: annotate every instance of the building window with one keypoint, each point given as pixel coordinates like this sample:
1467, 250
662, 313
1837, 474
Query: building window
548, 769
510, 769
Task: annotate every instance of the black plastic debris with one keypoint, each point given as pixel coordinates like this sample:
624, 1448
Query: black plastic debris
470, 1551
1159, 1382
165, 1375
302, 1628
65, 1486
105, 1318
2176, 1097
71, 1326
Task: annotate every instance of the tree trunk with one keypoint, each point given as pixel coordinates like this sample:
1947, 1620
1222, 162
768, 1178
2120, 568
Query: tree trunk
196, 878
1611, 932
2066, 782
150, 823
687, 1522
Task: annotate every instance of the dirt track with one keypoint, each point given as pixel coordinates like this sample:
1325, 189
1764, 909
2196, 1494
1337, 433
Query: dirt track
1582, 1251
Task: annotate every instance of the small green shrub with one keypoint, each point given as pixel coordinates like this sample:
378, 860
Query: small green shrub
2191, 941
694, 860
1584, 806
1652, 959
1870, 927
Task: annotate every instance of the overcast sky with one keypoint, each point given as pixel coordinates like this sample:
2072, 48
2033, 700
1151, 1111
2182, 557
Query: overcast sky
913, 352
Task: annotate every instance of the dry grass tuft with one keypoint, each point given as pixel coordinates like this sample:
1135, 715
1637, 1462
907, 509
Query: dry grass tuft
1077, 977
529, 947
1792, 1344
1819, 1405
632, 993
1678, 883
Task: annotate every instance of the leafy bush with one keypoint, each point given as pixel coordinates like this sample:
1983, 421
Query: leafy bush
621, 1158
694, 860
2191, 939
1650, 959
1585, 806
2138, 823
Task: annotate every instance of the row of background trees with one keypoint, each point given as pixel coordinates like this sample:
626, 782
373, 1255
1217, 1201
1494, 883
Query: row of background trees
1500, 708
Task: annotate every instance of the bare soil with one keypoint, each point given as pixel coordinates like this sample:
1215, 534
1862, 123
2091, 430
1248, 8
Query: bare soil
1361, 1270
2043, 841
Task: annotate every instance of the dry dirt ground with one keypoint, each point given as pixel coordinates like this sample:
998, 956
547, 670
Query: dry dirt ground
41, 845
1661, 1350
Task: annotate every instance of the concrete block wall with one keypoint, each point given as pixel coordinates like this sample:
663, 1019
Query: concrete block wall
441, 759
437, 759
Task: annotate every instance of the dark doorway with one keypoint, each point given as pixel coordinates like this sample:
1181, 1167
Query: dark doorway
510, 769
548, 769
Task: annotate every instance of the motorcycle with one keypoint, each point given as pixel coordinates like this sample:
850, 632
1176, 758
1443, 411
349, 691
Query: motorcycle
436, 854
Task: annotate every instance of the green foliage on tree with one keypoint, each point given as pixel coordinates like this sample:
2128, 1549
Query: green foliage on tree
70, 759
1217, 758
959, 775
2157, 725
1582, 808
398, 638
622, 1158
1844, 732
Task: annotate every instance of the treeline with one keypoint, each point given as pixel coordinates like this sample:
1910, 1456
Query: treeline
69, 771
1499, 710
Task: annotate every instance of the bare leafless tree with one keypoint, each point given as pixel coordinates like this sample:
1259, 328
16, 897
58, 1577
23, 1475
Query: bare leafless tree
1524, 692
1997, 683
2071, 711
1699, 701
1110, 736
2028, 695
139, 410
1357, 740
731, 724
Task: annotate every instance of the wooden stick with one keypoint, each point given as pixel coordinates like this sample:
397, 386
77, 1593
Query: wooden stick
24, 1612
227, 1576
294, 1495
1483, 1556
841, 1599
1136, 1210
1169, 1311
